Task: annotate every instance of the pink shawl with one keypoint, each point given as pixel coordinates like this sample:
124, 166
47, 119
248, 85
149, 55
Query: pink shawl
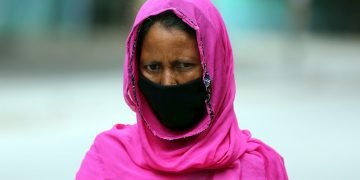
215, 149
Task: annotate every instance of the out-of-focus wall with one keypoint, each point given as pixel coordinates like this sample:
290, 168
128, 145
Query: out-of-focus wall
58, 34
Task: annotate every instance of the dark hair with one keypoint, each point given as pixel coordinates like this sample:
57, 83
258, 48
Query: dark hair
169, 20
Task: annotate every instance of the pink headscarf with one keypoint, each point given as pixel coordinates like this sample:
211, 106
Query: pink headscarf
215, 149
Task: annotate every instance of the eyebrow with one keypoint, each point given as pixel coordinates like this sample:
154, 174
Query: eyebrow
185, 60
151, 62
176, 61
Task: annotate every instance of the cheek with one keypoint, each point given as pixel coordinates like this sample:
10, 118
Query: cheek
152, 77
198, 72
191, 75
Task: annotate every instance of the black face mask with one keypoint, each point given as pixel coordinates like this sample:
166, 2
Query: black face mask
178, 107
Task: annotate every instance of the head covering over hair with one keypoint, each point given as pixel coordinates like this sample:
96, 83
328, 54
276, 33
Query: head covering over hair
214, 149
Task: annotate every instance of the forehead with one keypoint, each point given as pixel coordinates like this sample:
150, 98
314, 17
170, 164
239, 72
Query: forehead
160, 33
169, 42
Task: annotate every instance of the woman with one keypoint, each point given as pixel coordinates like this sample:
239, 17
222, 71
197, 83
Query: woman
179, 80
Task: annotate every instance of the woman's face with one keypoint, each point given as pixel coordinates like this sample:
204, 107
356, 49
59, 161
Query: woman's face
169, 56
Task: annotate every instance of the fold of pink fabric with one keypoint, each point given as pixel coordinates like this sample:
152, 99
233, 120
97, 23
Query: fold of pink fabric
215, 149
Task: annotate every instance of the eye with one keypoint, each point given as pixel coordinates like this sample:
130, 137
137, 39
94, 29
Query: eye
184, 66
152, 67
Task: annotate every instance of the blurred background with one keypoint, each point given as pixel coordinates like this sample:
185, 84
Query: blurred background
297, 71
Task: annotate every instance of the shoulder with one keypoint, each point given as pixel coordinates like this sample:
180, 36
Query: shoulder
106, 146
117, 132
114, 139
262, 160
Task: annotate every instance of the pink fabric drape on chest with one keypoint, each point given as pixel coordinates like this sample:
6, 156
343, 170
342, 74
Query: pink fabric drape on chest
215, 149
